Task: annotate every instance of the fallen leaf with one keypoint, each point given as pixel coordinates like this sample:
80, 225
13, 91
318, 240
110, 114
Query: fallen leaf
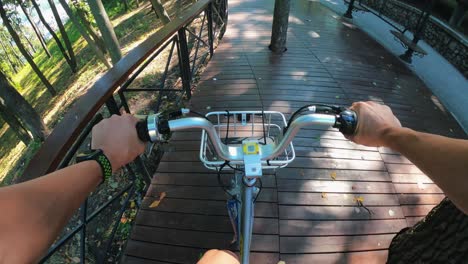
333, 175
337, 97
114, 185
132, 204
358, 199
123, 220
281, 262
156, 203
391, 212
324, 195
76, 260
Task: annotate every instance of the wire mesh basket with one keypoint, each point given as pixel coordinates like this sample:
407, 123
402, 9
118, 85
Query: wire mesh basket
234, 127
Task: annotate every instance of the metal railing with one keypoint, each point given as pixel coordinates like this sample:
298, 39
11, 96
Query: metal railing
403, 18
185, 44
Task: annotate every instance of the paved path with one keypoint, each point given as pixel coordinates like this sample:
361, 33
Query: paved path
303, 215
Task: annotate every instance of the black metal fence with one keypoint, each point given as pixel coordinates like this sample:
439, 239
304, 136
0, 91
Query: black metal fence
90, 234
405, 18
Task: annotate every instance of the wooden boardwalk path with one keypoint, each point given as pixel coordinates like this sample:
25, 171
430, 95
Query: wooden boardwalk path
302, 214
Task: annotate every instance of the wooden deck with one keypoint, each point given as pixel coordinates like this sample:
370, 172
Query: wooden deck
302, 214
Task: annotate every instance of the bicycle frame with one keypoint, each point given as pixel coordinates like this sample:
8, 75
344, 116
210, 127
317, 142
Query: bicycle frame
247, 216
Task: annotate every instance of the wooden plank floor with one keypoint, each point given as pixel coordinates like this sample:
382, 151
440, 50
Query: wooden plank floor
302, 214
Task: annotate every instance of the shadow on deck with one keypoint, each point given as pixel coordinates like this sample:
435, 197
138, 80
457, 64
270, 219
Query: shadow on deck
302, 215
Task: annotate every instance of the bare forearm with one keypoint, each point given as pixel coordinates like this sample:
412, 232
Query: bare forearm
443, 159
39, 209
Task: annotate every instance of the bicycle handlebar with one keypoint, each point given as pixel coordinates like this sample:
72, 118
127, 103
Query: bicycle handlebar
155, 128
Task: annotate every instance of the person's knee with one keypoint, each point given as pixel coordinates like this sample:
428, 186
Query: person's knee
214, 256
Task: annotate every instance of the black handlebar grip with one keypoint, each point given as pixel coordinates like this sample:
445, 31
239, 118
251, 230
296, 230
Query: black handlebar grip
142, 131
346, 122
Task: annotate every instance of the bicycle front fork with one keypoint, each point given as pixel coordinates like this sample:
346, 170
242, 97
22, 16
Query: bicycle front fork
247, 214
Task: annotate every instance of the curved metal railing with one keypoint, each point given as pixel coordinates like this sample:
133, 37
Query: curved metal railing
184, 48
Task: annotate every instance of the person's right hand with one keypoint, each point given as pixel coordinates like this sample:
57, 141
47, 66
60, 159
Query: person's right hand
374, 121
118, 139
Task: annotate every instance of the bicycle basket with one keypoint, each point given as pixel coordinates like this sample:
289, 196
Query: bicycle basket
233, 127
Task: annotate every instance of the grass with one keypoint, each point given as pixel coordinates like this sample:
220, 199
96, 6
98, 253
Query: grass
131, 28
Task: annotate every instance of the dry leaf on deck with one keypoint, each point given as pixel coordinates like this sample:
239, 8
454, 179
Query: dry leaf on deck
359, 199
333, 175
156, 203
324, 195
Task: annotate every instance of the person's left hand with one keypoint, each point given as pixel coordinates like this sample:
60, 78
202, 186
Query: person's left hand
118, 139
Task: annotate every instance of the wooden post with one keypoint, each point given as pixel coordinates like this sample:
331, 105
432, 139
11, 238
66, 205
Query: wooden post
279, 31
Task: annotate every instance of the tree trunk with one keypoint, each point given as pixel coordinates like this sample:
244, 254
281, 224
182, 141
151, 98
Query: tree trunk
107, 30
441, 237
279, 31
21, 109
13, 51
15, 125
64, 34
54, 36
126, 6
19, 31
160, 11
458, 14
13, 65
29, 43
97, 38
36, 30
84, 33
23, 51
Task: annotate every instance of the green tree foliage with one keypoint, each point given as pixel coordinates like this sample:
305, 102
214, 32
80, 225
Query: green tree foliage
25, 7
67, 57
4, 14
